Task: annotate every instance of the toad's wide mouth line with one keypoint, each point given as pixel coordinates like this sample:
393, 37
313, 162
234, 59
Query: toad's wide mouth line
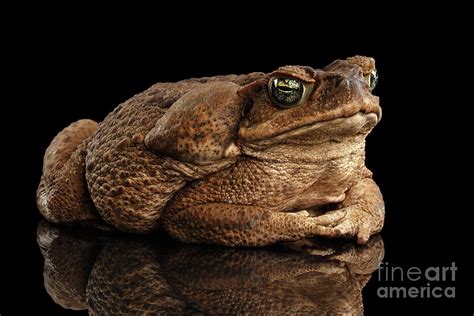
356, 121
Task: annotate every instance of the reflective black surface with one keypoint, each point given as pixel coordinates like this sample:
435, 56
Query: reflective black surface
108, 274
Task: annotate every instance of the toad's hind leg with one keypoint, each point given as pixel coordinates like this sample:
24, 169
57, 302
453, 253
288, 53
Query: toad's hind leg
62, 194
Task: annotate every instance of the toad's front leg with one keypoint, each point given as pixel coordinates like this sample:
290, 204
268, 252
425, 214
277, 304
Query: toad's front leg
244, 225
365, 212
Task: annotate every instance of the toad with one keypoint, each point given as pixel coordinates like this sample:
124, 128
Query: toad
239, 160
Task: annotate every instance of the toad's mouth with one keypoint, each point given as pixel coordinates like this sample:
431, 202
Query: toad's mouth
358, 123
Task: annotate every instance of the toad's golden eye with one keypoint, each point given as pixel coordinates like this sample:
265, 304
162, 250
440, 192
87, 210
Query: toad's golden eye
285, 92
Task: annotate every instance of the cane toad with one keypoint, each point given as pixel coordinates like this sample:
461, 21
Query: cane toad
236, 160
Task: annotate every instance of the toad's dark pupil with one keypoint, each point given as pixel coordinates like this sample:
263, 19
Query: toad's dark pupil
285, 89
286, 92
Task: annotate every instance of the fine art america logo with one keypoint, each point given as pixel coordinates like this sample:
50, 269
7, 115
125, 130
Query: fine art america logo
416, 282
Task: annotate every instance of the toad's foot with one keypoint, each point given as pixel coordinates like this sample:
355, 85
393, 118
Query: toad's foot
365, 213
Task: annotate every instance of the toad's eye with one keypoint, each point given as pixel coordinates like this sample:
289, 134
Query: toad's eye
285, 92
372, 79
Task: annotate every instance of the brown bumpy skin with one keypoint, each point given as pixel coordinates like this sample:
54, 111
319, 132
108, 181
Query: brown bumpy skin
62, 194
220, 160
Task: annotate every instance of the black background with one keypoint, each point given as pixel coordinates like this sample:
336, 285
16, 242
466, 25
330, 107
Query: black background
65, 70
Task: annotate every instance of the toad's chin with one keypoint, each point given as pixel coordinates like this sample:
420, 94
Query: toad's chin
326, 131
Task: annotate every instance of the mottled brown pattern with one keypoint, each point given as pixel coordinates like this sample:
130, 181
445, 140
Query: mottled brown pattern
119, 276
215, 160
193, 131
62, 194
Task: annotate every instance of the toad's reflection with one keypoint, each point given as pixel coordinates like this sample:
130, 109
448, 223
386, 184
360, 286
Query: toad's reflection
113, 275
